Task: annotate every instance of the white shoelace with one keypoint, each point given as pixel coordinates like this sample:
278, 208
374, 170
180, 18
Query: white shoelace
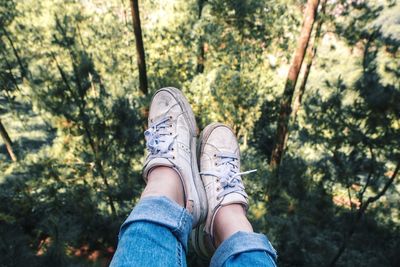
228, 174
159, 141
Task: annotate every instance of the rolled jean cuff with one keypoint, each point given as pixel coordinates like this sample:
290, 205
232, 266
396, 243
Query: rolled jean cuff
164, 212
242, 242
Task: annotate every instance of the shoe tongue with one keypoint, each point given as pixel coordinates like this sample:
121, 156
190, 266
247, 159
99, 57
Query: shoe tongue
156, 162
234, 198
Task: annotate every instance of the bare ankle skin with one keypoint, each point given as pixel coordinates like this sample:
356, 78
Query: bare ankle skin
164, 181
229, 220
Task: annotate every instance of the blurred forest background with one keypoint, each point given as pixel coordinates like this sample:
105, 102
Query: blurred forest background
325, 138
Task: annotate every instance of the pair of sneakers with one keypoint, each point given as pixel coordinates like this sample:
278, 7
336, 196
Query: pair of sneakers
210, 172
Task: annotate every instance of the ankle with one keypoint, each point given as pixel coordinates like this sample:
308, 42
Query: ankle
229, 220
164, 181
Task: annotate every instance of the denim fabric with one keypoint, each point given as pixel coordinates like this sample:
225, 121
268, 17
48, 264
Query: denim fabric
156, 234
245, 249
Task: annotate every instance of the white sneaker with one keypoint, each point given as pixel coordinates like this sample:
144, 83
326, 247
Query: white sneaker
220, 171
171, 142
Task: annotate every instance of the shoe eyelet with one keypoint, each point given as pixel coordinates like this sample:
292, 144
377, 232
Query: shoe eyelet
215, 164
215, 155
173, 157
170, 117
170, 133
218, 198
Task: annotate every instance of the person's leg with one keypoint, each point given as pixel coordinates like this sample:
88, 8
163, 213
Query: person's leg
164, 181
229, 220
237, 244
227, 233
157, 230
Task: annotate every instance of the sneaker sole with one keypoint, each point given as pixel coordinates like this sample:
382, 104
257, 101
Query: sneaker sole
198, 235
198, 192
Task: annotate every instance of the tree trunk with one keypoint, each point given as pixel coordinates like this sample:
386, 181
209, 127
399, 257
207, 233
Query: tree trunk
201, 52
312, 51
141, 60
124, 10
285, 109
7, 142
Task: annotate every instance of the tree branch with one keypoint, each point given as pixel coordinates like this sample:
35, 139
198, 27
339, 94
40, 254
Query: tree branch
21, 65
360, 214
7, 142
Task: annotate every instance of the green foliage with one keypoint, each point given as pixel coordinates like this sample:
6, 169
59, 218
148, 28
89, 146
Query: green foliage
70, 102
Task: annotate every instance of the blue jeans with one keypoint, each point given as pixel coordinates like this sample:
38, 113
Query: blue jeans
156, 234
